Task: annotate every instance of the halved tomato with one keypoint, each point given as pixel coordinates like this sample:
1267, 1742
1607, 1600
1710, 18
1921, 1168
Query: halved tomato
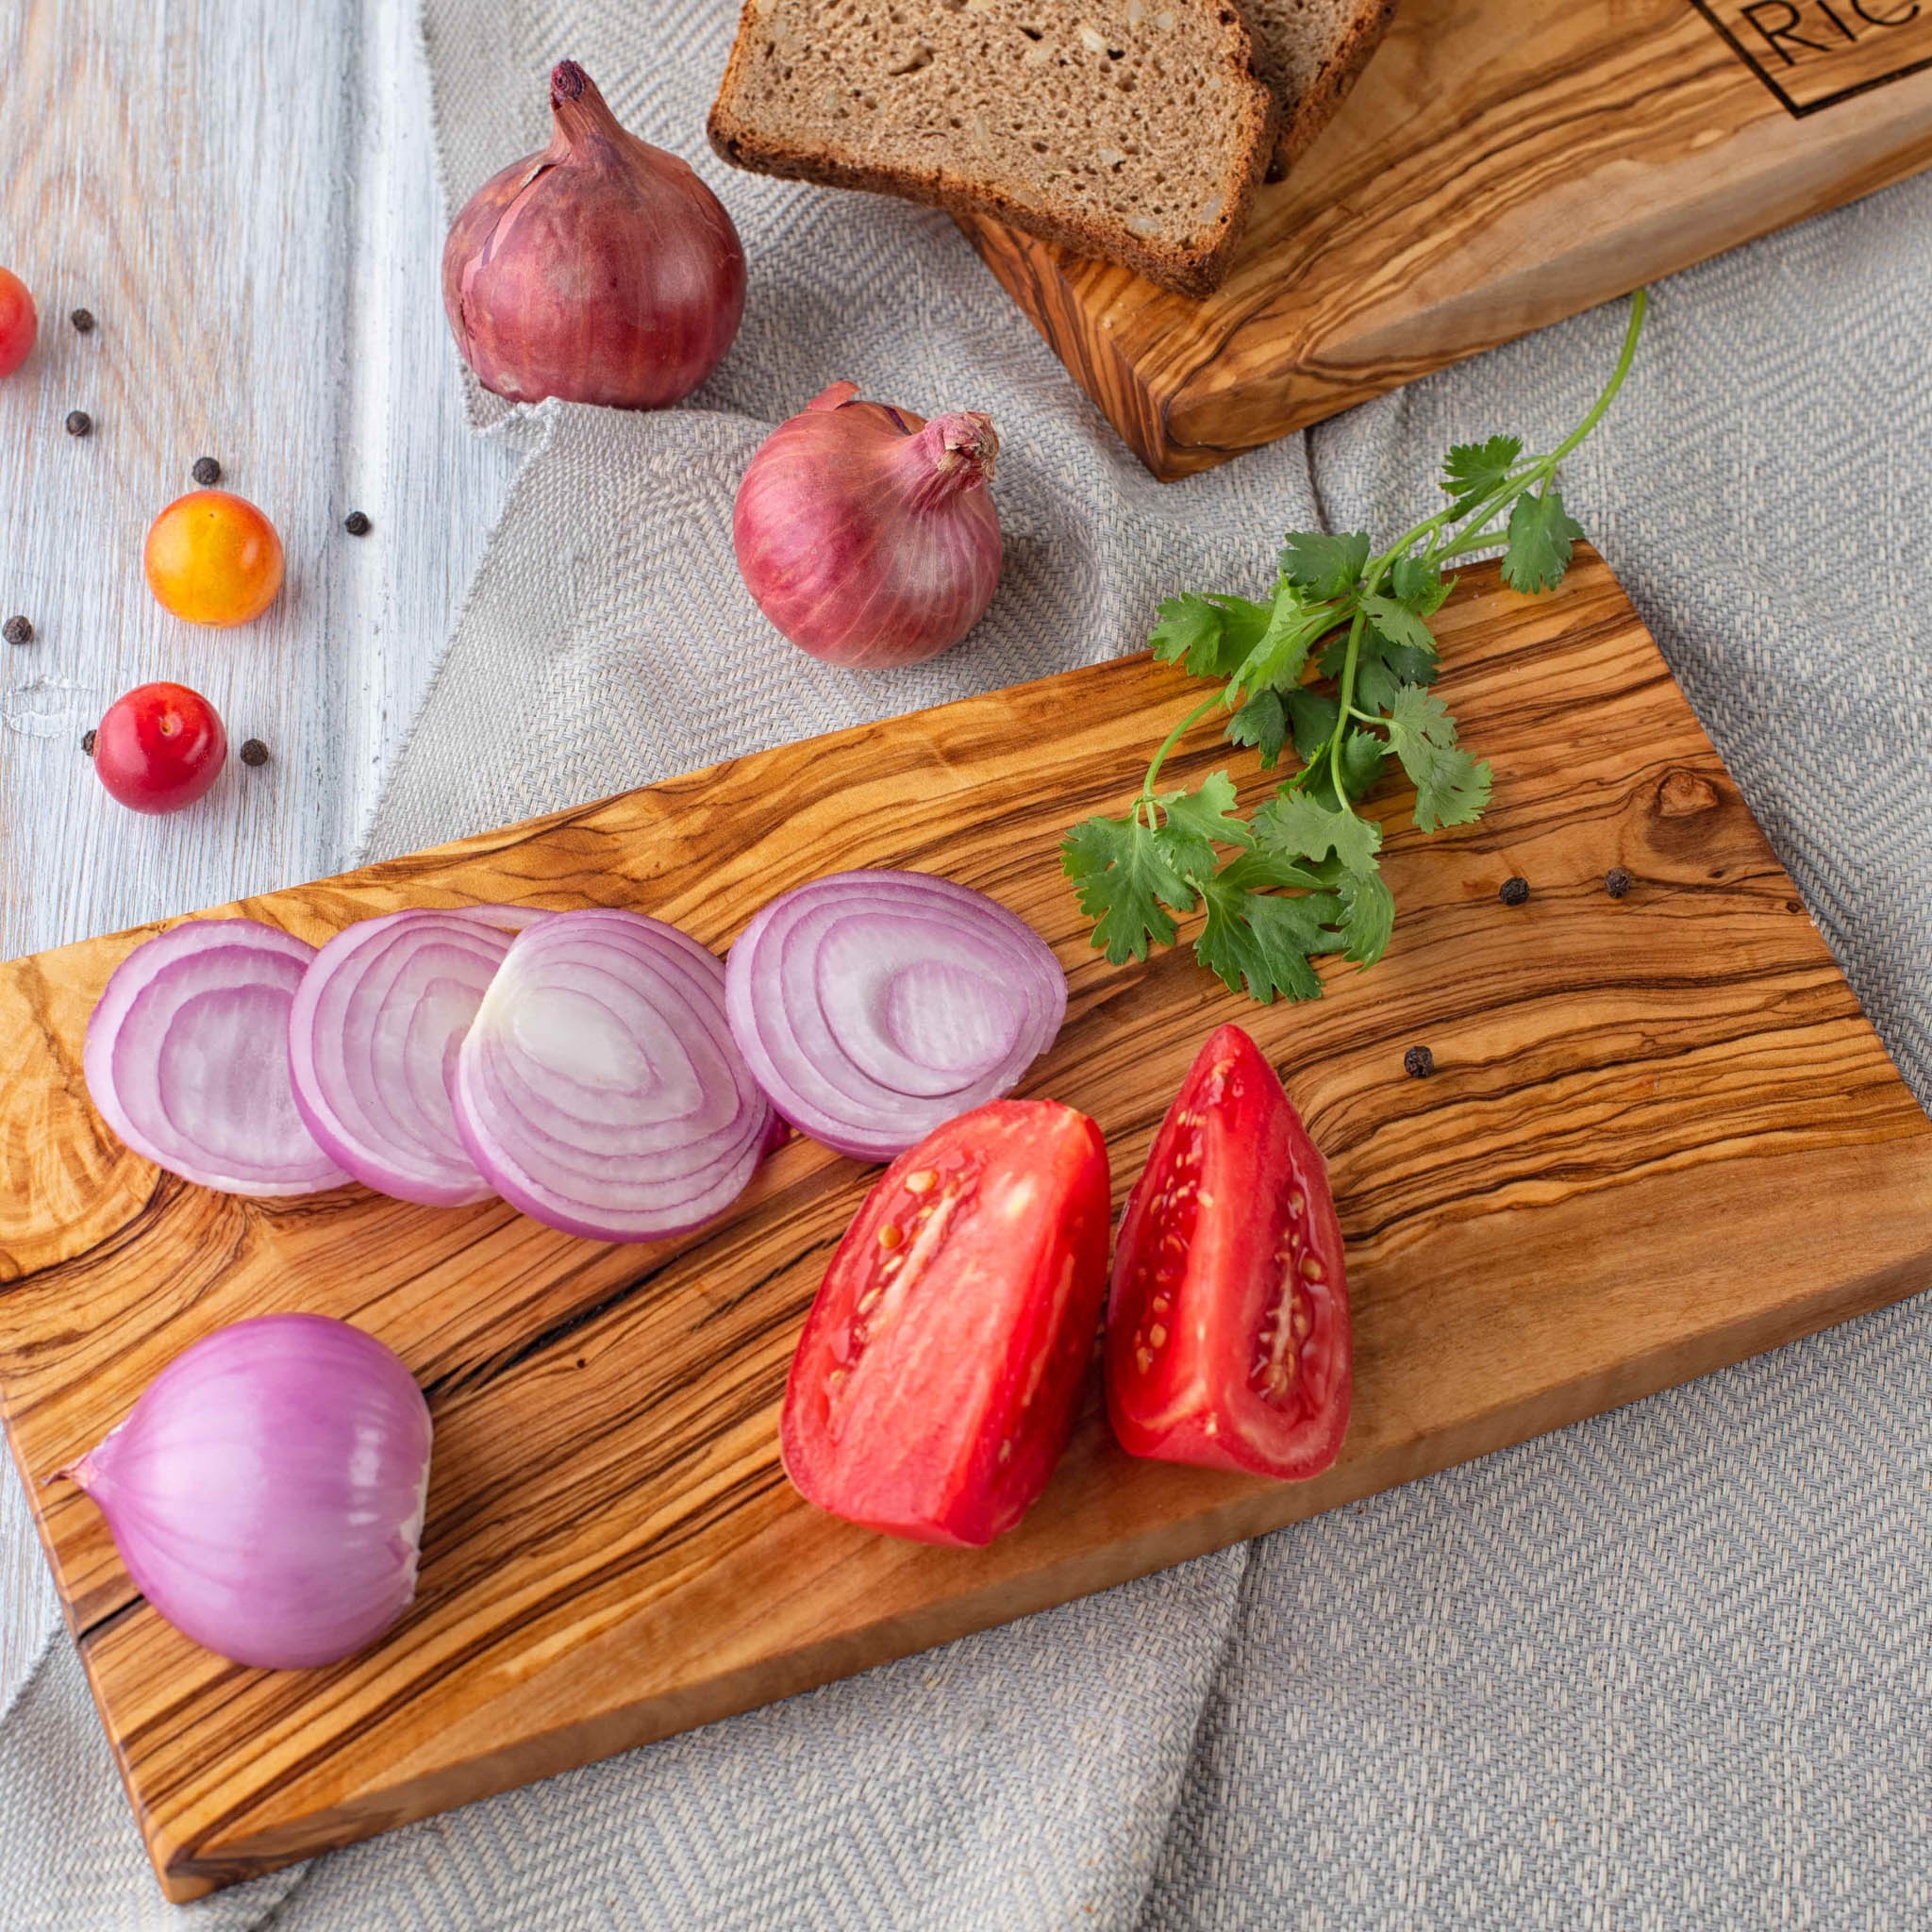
940, 1370
1227, 1333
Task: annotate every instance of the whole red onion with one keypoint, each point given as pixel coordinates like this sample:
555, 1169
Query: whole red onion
600, 271
266, 1492
868, 535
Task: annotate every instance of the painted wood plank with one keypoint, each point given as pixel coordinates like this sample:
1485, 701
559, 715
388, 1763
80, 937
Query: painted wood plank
1605, 1188
1501, 164
247, 204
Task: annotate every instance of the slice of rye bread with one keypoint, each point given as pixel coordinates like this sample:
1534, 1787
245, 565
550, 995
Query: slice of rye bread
1131, 129
1309, 52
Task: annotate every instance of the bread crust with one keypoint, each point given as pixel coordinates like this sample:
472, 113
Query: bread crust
1299, 125
1196, 273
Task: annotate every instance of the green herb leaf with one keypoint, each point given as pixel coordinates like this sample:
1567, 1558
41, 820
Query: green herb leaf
1313, 715
1451, 789
1281, 654
1200, 819
1474, 469
1368, 916
1363, 752
1415, 581
1210, 634
1262, 939
1322, 565
1262, 722
1125, 874
1295, 825
1381, 666
1397, 624
1541, 532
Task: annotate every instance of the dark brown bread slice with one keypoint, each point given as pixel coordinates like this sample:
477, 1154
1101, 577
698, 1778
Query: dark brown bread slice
1131, 129
1309, 52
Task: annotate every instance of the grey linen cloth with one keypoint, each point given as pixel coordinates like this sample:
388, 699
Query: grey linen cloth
1667, 1668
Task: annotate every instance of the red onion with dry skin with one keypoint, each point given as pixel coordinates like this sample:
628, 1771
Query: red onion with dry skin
867, 534
600, 271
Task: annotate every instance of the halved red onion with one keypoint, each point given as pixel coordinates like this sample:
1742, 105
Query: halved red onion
373, 1039
598, 1087
187, 1059
873, 1005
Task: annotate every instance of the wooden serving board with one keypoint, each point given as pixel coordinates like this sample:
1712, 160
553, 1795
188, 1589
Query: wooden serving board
1614, 1181
1501, 164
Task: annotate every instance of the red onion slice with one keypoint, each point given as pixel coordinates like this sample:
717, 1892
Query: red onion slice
373, 1039
873, 1005
187, 1059
599, 1088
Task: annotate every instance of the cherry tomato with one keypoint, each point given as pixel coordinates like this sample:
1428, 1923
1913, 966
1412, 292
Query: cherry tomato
19, 324
159, 748
937, 1377
213, 557
1227, 1329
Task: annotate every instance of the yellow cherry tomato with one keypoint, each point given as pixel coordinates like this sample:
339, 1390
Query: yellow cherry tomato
213, 557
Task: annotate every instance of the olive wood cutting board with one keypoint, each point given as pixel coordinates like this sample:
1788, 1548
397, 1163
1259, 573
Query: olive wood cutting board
1615, 1180
1501, 164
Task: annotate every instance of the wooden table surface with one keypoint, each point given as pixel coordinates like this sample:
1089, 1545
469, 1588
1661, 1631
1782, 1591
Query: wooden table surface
245, 197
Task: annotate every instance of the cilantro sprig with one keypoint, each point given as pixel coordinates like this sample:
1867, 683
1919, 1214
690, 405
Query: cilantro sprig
1336, 667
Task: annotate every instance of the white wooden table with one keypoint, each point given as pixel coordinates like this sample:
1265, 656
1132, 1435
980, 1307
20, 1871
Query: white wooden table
245, 198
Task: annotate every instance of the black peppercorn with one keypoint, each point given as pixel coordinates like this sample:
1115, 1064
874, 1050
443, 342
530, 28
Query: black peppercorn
86, 743
254, 752
356, 523
206, 472
80, 422
83, 321
1419, 1062
1514, 891
1616, 882
17, 630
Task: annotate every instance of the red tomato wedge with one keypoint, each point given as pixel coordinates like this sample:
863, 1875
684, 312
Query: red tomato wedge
937, 1377
1227, 1333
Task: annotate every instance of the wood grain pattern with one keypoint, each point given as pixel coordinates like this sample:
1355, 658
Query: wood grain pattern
1608, 1185
236, 195
1501, 164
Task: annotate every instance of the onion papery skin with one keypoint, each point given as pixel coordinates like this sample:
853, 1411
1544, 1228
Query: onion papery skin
599, 1088
868, 535
187, 1059
599, 271
873, 1006
267, 1490
373, 1038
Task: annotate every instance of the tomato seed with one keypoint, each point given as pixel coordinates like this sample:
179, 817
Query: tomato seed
1303, 1323
1312, 1269
1296, 1202
922, 1182
1157, 1335
1143, 1360
869, 1300
1005, 1452
891, 1235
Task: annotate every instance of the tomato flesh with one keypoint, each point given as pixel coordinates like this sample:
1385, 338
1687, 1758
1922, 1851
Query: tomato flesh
1228, 1329
940, 1372
159, 748
18, 323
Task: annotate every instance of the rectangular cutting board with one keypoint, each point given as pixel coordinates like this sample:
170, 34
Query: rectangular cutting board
1613, 1181
1501, 164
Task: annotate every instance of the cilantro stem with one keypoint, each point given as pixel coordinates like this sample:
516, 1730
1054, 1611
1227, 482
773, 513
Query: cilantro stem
1341, 731
1168, 743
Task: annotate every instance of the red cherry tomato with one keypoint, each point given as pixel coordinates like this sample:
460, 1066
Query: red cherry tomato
19, 324
937, 1377
1227, 1329
159, 748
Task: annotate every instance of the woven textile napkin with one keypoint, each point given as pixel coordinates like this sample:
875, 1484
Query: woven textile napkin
1666, 1668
